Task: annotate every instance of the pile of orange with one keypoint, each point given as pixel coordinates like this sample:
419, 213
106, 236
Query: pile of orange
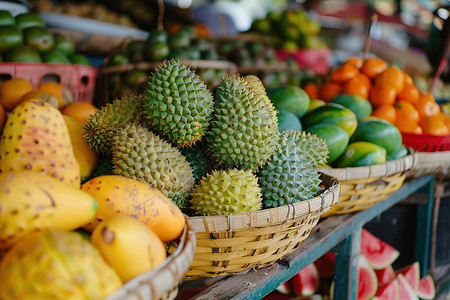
17, 90
391, 92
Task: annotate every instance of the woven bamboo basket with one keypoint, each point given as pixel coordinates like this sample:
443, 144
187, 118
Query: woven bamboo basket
228, 245
428, 163
362, 187
162, 282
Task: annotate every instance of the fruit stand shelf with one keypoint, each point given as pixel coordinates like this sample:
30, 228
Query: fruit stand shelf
340, 233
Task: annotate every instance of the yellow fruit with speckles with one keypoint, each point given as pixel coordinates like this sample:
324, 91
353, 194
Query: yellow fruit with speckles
128, 245
120, 195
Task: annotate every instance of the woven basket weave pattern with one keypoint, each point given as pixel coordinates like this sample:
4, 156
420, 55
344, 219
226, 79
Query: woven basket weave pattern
362, 187
162, 282
428, 163
233, 244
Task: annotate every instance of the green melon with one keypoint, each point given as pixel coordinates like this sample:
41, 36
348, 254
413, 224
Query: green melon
402, 151
287, 121
334, 114
360, 154
336, 139
357, 104
379, 132
289, 98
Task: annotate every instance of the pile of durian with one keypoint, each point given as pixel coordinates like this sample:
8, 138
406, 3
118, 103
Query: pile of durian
211, 153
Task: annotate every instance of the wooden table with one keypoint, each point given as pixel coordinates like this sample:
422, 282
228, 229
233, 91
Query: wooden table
342, 234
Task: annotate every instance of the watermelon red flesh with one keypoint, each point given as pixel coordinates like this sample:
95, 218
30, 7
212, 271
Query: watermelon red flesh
305, 282
406, 292
411, 274
378, 253
325, 264
388, 291
312, 297
385, 275
367, 280
426, 289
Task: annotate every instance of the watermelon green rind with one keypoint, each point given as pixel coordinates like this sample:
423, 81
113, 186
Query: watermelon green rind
379, 254
290, 98
360, 106
379, 132
426, 289
406, 292
288, 121
335, 137
312, 297
411, 273
385, 275
367, 279
388, 291
334, 114
360, 154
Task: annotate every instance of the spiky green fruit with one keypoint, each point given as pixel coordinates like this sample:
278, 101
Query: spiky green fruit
244, 130
226, 192
142, 155
178, 104
290, 176
197, 159
314, 148
103, 125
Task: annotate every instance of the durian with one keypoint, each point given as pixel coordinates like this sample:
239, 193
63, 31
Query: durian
142, 155
102, 126
226, 192
197, 159
314, 148
178, 104
244, 130
290, 176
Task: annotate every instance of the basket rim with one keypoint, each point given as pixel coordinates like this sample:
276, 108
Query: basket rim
182, 257
270, 216
388, 168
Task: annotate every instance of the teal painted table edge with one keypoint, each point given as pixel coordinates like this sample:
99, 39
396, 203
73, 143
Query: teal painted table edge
341, 232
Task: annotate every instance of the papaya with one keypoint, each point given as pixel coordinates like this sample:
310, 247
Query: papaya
336, 139
334, 114
360, 154
287, 121
402, 151
289, 98
357, 104
379, 132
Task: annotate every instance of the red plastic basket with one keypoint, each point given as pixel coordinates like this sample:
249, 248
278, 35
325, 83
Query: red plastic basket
316, 60
426, 143
78, 79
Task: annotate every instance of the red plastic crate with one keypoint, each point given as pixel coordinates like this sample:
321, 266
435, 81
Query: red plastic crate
316, 60
78, 79
426, 142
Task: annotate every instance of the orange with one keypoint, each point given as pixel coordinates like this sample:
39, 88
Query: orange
427, 107
355, 86
408, 78
434, 125
392, 76
329, 90
312, 90
427, 96
386, 112
52, 99
408, 127
365, 79
382, 95
354, 60
343, 73
80, 111
55, 88
409, 93
12, 90
373, 66
406, 112
3, 116
446, 119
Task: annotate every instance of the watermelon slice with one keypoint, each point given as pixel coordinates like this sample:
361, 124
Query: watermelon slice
325, 264
378, 253
305, 282
411, 273
312, 297
367, 280
284, 288
388, 291
426, 289
405, 290
385, 275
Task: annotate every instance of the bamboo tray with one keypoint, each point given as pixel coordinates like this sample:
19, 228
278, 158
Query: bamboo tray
161, 282
228, 245
362, 187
